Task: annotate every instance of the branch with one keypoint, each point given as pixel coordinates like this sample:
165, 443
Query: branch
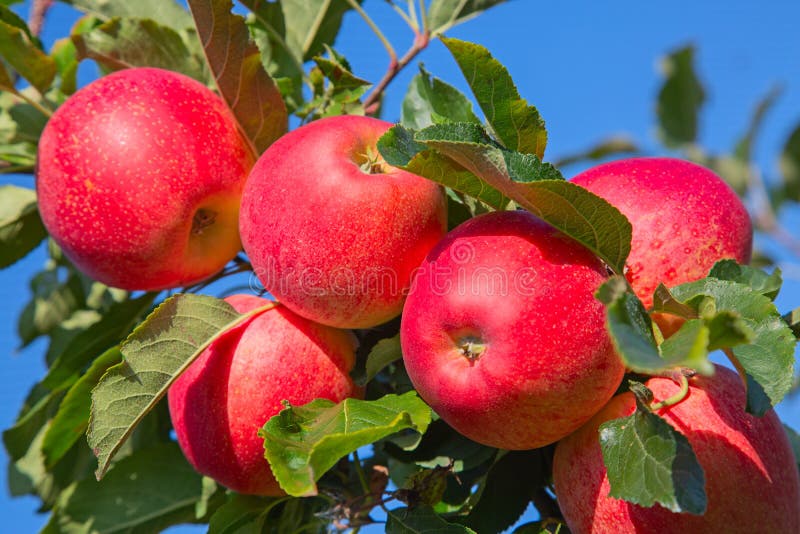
372, 102
37, 14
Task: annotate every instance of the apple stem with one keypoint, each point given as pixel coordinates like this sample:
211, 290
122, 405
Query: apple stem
681, 378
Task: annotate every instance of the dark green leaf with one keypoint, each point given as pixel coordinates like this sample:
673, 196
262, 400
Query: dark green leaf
649, 462
431, 101
338, 73
382, 354
124, 43
766, 284
790, 165
235, 63
23, 52
445, 14
21, 228
421, 520
516, 124
548, 526
19, 437
794, 440
157, 351
744, 147
241, 514
769, 358
613, 146
303, 442
792, 318
680, 98
52, 303
165, 12
146, 492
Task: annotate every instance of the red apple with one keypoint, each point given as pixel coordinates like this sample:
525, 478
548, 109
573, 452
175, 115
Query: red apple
139, 177
221, 401
502, 336
332, 231
685, 218
751, 475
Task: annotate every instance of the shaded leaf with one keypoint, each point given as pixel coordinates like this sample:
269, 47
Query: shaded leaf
649, 462
744, 147
515, 123
303, 442
445, 14
52, 303
382, 354
430, 101
790, 165
241, 514
235, 63
421, 520
23, 52
157, 351
680, 98
21, 228
766, 284
794, 440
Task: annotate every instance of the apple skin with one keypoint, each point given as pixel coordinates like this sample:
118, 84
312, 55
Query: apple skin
331, 242
139, 178
751, 475
221, 401
685, 218
547, 365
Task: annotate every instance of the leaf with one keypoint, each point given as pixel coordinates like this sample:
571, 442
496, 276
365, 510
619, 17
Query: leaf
507, 492
744, 147
157, 351
312, 23
241, 514
421, 520
72, 418
445, 14
792, 318
537, 187
766, 284
612, 146
769, 358
689, 346
235, 63
124, 43
431, 101
790, 165
516, 124
52, 303
649, 462
148, 491
109, 330
21, 228
679, 99
794, 441
23, 52
18, 438
164, 12
382, 354
303, 442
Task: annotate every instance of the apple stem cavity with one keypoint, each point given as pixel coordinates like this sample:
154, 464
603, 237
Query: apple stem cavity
203, 218
471, 348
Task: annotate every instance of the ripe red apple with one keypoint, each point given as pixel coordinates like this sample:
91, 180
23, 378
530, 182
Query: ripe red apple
751, 475
502, 335
685, 218
332, 231
139, 177
221, 401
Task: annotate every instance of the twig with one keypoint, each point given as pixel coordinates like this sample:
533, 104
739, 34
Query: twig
372, 101
37, 15
412, 22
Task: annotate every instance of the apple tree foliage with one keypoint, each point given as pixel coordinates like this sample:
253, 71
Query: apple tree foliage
92, 440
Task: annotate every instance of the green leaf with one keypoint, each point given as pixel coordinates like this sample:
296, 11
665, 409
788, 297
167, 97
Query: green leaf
790, 165
507, 492
516, 124
148, 491
382, 354
303, 442
744, 147
792, 318
612, 146
109, 330
649, 462
72, 418
547, 526
338, 71
23, 52
312, 23
421, 520
794, 441
766, 284
689, 347
431, 101
124, 43
769, 358
445, 14
679, 99
52, 303
235, 63
18, 438
21, 228
164, 12
242, 514
157, 351
537, 187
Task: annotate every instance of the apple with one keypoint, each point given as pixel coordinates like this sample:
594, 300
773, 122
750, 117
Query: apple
502, 335
751, 474
332, 231
139, 178
225, 396
685, 218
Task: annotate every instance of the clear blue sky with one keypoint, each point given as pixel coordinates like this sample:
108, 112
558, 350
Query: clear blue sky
592, 68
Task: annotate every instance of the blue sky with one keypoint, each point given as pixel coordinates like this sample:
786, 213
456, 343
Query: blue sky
592, 69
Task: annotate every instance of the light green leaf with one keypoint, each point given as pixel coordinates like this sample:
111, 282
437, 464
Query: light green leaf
157, 351
21, 228
124, 43
431, 101
303, 442
235, 63
23, 52
445, 14
649, 462
689, 346
766, 284
421, 520
382, 354
165, 12
679, 99
515, 123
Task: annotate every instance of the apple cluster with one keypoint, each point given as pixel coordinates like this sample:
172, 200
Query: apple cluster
146, 183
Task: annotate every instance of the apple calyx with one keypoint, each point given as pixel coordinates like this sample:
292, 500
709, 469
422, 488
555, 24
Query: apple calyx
372, 162
471, 348
203, 218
